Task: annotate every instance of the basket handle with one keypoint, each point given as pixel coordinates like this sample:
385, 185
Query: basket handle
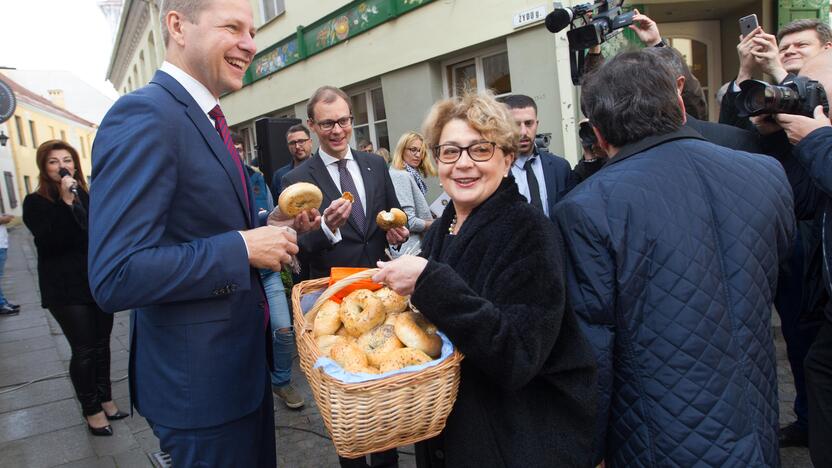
341, 284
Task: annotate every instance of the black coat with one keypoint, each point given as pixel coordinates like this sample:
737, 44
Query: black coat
497, 289
726, 135
61, 241
356, 249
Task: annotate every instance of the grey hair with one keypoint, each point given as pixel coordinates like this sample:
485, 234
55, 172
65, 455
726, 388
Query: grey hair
190, 9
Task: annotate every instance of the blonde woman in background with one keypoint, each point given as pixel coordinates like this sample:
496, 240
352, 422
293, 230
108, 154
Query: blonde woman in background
408, 170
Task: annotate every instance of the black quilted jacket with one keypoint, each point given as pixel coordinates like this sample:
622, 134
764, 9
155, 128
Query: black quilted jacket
673, 254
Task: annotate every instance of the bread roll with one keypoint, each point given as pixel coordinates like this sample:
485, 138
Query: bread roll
394, 218
299, 197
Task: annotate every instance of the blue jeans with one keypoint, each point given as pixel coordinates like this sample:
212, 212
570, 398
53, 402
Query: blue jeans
280, 319
3, 253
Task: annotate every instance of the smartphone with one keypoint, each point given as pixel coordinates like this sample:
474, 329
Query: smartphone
748, 24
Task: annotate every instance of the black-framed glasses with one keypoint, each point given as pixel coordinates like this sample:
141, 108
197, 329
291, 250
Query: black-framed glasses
298, 142
343, 122
415, 149
480, 152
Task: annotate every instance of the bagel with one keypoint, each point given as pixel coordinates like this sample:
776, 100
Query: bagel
328, 319
391, 319
392, 302
401, 358
342, 331
378, 342
348, 355
326, 342
415, 331
361, 311
298, 198
394, 218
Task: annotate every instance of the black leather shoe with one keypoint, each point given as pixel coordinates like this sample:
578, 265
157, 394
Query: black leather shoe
13, 306
105, 431
793, 436
117, 416
6, 309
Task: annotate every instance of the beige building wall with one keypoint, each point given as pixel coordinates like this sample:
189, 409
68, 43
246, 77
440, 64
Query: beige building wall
139, 49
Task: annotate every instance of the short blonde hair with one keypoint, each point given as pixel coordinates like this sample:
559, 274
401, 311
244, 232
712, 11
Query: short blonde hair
479, 110
426, 167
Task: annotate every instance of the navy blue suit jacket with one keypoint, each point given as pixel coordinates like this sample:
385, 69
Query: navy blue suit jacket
358, 247
165, 209
557, 173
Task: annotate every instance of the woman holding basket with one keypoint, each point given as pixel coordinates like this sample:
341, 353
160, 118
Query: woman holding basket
491, 278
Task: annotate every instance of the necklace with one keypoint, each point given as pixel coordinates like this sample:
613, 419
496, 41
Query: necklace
452, 226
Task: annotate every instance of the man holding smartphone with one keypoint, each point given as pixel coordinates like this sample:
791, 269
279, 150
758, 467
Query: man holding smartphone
759, 51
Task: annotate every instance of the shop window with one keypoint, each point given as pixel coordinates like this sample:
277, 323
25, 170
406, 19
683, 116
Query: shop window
370, 118
484, 71
272, 8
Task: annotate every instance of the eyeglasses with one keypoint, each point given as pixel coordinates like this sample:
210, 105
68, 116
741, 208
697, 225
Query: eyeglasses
415, 149
343, 122
479, 152
298, 142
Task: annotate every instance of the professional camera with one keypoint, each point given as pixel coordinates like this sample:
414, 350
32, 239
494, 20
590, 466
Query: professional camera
590, 24
798, 96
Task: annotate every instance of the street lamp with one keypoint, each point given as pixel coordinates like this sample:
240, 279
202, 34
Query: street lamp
3, 138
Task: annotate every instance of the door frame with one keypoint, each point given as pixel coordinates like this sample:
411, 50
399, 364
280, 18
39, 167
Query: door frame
710, 34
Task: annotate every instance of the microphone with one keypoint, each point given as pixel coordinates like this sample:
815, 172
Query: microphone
558, 19
65, 173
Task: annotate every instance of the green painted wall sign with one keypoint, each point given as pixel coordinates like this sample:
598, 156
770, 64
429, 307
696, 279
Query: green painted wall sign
790, 10
342, 24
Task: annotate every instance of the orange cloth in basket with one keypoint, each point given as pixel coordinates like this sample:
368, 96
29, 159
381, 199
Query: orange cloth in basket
338, 273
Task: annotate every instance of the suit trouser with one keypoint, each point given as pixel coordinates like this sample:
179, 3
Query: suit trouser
819, 390
248, 441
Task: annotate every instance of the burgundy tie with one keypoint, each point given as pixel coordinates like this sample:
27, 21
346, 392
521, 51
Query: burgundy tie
222, 127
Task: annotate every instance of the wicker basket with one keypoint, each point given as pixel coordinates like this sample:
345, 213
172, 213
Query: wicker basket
380, 414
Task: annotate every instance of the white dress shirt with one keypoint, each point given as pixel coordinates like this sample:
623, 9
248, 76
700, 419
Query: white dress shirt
523, 184
204, 99
331, 164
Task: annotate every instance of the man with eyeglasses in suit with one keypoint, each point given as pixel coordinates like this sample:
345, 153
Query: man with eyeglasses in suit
349, 235
299, 141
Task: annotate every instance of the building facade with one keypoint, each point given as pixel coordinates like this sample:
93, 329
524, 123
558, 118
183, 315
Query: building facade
395, 58
36, 120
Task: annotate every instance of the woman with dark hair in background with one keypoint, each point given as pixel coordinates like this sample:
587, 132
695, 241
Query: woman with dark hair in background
57, 216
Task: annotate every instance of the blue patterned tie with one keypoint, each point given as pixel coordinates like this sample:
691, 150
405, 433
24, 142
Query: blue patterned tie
348, 185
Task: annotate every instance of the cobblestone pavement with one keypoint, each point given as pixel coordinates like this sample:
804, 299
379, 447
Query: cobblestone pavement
41, 424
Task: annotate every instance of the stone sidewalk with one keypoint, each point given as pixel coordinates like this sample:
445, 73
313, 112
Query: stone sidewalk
41, 424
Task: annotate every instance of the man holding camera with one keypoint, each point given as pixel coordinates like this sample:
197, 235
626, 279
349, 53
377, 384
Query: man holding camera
809, 167
798, 41
672, 258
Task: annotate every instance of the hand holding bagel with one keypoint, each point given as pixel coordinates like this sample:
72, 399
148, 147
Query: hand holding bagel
401, 274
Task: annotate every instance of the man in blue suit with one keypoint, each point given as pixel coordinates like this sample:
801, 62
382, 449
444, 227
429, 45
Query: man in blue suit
534, 164
173, 236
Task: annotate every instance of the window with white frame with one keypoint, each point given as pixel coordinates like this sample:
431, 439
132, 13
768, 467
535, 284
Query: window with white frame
271, 8
488, 70
370, 118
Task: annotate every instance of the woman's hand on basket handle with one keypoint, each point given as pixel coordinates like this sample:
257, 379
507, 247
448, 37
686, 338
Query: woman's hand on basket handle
401, 274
